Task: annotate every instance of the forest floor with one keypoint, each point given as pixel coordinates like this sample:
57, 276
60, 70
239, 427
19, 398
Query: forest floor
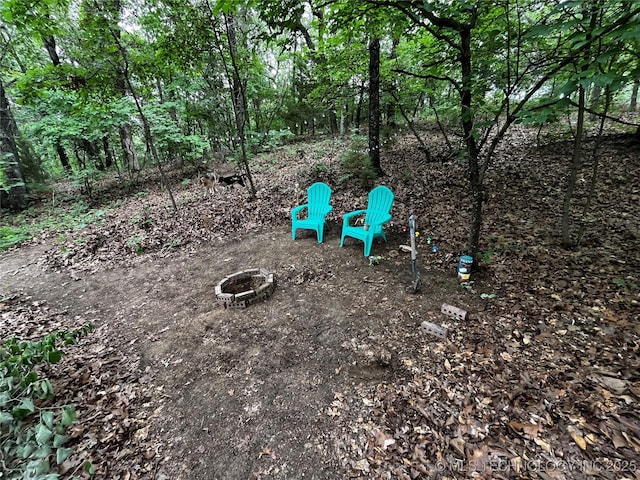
332, 377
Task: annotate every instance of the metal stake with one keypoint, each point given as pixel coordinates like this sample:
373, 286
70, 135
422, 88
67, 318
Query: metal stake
417, 281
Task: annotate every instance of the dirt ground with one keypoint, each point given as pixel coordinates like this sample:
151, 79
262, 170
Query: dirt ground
332, 377
244, 391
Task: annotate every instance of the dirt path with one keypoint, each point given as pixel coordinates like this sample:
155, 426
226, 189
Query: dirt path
243, 392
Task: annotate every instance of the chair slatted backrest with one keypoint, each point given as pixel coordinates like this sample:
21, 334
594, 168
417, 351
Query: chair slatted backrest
379, 206
318, 196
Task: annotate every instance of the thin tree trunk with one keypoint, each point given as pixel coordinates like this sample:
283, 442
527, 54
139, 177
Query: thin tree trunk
576, 165
475, 177
392, 88
16, 191
374, 105
49, 42
595, 98
114, 8
239, 97
424, 147
128, 148
64, 158
634, 95
358, 121
107, 152
590, 11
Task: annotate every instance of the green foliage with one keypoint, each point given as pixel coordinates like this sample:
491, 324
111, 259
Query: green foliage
356, 164
486, 256
136, 244
10, 236
627, 283
270, 140
21, 227
32, 437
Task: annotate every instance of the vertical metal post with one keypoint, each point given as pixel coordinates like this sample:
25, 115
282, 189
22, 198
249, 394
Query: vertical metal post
414, 254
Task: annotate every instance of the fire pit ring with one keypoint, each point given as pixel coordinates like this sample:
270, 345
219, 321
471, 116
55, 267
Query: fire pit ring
244, 288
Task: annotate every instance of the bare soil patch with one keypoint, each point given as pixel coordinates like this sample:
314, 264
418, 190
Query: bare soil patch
332, 377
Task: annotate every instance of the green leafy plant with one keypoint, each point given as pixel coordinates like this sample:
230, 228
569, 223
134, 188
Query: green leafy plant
486, 256
10, 236
356, 164
32, 431
135, 244
624, 284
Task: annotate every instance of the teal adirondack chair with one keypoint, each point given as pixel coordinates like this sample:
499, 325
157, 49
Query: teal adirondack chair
377, 214
317, 206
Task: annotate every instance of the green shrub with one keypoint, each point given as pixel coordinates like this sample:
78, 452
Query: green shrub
356, 164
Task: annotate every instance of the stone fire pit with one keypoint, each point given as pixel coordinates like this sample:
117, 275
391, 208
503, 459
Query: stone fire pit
244, 288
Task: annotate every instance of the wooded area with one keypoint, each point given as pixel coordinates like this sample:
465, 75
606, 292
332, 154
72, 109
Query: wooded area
151, 151
94, 86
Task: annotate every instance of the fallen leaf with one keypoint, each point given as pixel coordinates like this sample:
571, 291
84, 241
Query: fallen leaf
577, 437
458, 444
506, 356
530, 429
543, 444
615, 385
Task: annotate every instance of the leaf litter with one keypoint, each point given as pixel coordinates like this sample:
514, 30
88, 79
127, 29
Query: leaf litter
540, 381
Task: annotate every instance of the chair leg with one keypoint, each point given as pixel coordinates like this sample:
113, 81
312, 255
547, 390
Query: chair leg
319, 232
293, 233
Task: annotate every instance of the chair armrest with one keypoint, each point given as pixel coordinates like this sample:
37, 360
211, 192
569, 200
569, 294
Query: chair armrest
294, 212
327, 209
384, 219
350, 215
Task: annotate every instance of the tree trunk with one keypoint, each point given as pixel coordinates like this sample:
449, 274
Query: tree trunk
358, 121
151, 147
64, 158
591, 12
576, 165
129, 149
239, 97
634, 95
126, 140
391, 87
107, 152
476, 180
596, 92
16, 191
93, 153
333, 123
49, 42
374, 105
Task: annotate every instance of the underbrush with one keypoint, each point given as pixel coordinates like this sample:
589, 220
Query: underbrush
32, 426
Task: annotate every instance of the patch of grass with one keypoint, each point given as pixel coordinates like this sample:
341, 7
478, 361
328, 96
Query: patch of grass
11, 236
30, 223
